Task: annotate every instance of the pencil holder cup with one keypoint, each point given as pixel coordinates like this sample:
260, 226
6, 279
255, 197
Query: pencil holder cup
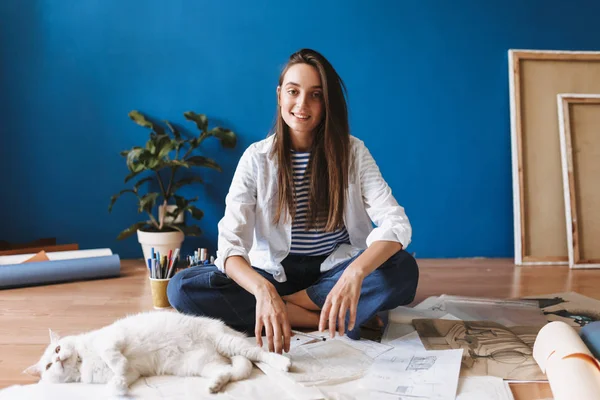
158, 288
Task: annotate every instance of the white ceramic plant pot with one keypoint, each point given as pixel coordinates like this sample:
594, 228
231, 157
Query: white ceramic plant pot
169, 220
161, 241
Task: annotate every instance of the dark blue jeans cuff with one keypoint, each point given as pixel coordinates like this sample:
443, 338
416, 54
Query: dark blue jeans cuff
315, 296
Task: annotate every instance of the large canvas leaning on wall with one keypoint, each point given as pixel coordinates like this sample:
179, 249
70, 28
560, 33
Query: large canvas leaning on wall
579, 124
536, 78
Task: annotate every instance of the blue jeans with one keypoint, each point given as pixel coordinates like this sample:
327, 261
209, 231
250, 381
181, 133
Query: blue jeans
206, 291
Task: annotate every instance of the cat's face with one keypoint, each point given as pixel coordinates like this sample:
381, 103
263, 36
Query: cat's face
59, 363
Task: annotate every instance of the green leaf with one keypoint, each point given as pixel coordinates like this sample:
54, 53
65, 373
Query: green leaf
151, 144
201, 161
147, 202
158, 129
114, 198
139, 119
133, 159
141, 182
181, 201
180, 163
228, 138
200, 119
166, 145
173, 214
179, 143
131, 176
186, 181
195, 212
193, 144
174, 130
148, 160
131, 230
192, 230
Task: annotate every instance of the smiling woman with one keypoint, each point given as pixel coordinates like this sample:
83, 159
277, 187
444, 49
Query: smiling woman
297, 247
301, 104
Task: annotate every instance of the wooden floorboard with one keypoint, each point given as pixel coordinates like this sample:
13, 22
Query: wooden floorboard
27, 313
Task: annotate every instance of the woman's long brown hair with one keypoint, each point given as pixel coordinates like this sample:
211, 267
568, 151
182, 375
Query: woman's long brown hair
329, 159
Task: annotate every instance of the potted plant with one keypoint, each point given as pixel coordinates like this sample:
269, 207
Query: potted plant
161, 164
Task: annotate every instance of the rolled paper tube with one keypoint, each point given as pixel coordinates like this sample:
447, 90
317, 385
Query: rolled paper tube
57, 255
572, 370
47, 272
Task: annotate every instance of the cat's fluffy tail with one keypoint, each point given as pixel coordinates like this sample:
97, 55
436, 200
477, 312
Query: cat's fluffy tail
241, 368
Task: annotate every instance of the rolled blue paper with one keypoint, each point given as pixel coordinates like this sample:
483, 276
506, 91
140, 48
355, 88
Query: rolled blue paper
47, 272
590, 334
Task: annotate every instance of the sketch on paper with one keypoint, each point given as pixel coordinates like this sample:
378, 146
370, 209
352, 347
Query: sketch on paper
488, 348
327, 363
415, 373
420, 363
572, 308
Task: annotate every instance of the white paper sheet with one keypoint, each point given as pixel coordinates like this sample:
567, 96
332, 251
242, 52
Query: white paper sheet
404, 315
368, 347
327, 363
293, 389
427, 374
395, 331
505, 312
410, 342
483, 388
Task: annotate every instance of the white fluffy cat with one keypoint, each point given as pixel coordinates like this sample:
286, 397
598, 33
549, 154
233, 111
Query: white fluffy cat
153, 343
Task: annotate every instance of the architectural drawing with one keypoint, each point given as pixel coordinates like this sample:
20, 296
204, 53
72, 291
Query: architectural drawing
423, 374
421, 363
488, 348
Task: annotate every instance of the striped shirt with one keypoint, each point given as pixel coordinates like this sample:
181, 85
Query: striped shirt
313, 242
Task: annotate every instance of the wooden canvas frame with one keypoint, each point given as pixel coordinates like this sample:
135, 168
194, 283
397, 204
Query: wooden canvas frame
580, 148
536, 78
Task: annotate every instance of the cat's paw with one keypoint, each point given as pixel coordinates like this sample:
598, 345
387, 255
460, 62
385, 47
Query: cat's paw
217, 383
118, 385
279, 362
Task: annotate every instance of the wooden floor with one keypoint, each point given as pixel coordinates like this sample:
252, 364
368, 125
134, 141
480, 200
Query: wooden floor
27, 313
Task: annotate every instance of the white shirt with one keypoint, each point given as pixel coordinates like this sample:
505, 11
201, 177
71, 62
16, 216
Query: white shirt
247, 228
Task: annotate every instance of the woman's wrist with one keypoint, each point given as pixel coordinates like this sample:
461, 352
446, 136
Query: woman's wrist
356, 271
263, 288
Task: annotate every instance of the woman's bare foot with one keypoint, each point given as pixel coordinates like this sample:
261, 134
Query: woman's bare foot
375, 323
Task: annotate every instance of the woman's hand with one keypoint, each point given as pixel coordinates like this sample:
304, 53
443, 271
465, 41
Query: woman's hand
271, 314
342, 298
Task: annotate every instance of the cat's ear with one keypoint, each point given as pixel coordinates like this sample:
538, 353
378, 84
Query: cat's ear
54, 337
33, 370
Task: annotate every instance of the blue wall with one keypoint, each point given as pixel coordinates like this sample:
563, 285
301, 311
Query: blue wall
428, 93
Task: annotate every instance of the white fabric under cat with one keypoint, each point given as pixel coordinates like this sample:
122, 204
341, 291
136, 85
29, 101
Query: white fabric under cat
258, 386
